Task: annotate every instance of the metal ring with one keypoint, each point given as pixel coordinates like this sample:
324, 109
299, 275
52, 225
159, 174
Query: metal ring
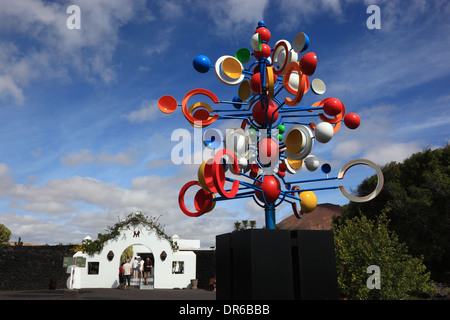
371, 195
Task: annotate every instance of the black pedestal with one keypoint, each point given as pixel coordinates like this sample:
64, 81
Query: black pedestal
276, 265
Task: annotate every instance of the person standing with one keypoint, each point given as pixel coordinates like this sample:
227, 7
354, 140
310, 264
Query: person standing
147, 270
141, 267
135, 268
127, 272
121, 277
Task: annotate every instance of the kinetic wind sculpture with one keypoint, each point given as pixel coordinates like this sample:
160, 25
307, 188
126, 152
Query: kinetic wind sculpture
263, 149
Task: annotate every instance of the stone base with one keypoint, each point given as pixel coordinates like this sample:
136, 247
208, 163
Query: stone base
267, 264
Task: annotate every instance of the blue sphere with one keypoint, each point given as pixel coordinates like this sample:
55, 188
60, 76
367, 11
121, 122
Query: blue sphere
326, 168
202, 63
236, 99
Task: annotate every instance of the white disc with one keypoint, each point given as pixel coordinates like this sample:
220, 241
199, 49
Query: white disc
318, 86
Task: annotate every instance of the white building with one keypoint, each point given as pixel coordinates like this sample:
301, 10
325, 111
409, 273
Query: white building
171, 268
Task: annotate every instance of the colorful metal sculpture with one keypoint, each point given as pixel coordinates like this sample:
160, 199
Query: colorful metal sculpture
263, 150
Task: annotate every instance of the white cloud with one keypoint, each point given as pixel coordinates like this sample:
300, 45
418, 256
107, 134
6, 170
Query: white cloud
374, 139
84, 156
51, 50
347, 149
233, 15
8, 88
148, 111
66, 210
77, 158
391, 151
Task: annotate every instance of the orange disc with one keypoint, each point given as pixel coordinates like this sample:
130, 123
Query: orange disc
167, 104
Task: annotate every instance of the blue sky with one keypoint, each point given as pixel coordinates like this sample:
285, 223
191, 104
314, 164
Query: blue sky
84, 143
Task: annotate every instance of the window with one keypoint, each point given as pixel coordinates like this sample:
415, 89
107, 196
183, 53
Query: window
93, 267
177, 267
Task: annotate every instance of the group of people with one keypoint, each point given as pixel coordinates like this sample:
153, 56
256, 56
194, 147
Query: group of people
134, 269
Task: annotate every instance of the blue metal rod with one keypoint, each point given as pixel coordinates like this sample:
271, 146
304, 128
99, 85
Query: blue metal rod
231, 117
300, 115
313, 180
270, 216
289, 195
318, 189
299, 109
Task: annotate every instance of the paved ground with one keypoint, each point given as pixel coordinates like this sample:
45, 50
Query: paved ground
109, 294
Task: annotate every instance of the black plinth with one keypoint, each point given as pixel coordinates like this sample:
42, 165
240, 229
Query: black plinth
276, 265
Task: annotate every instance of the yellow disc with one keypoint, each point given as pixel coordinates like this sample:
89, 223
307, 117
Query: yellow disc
270, 82
295, 164
308, 201
204, 107
201, 176
294, 141
245, 91
232, 68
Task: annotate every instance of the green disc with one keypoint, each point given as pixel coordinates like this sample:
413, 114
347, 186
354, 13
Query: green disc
243, 55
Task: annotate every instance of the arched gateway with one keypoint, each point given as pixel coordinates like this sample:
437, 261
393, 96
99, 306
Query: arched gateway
172, 268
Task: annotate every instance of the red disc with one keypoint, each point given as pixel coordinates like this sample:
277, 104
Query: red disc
219, 178
201, 114
203, 199
270, 187
207, 206
205, 177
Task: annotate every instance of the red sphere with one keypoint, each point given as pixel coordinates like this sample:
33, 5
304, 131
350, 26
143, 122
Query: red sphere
265, 51
259, 114
352, 120
264, 34
270, 187
308, 63
255, 83
332, 106
268, 151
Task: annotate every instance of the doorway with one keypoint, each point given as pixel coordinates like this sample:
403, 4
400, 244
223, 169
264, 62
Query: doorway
137, 254
142, 256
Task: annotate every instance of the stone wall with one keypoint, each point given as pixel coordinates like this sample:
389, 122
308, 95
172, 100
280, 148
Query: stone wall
33, 268
41, 267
